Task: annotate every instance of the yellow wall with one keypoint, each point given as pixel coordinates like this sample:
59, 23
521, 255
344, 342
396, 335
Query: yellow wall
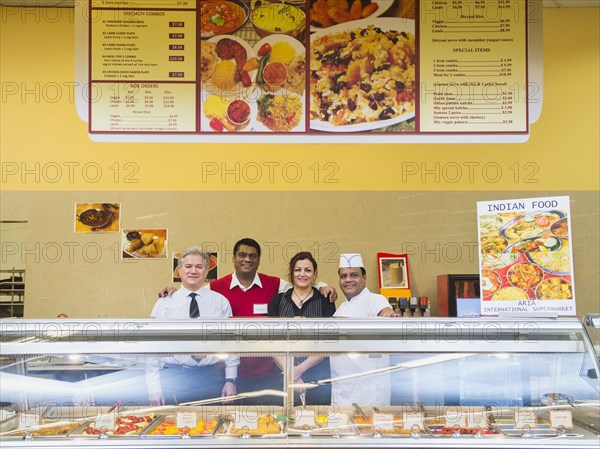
39, 125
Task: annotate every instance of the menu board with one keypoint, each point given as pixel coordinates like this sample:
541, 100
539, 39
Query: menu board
526, 256
307, 70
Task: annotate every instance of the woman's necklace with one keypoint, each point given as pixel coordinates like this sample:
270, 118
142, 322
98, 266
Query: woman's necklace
302, 299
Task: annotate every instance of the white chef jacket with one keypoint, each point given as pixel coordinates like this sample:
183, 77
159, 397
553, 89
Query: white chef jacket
374, 390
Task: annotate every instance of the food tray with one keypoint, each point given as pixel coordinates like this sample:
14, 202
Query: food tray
57, 430
436, 431
173, 432
540, 431
9, 423
81, 432
321, 429
274, 428
365, 428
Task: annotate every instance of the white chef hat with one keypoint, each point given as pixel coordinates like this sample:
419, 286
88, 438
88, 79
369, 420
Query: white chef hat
351, 260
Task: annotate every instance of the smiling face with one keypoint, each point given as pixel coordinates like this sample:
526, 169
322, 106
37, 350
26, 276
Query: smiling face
352, 281
193, 271
246, 261
304, 274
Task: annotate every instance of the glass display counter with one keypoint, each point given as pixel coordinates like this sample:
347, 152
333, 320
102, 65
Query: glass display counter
388, 383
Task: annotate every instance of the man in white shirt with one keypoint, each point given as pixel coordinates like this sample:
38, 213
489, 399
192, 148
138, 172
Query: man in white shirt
367, 389
186, 378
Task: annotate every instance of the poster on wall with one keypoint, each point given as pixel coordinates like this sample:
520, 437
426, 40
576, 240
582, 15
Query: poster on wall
213, 267
248, 71
97, 217
526, 256
144, 244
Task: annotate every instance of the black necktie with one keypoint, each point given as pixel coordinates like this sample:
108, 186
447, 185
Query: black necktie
194, 310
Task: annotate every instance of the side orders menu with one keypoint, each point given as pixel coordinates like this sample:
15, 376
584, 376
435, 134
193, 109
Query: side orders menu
462, 70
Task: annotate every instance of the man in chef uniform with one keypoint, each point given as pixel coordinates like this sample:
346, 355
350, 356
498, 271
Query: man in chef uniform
374, 389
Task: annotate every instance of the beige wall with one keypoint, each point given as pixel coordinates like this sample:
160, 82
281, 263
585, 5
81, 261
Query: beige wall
82, 274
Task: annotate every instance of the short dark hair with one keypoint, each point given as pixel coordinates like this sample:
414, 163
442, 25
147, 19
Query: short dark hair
303, 255
362, 270
246, 242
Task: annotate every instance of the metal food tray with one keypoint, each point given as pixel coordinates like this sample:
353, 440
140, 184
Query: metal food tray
80, 432
147, 433
223, 429
19, 434
432, 428
323, 430
10, 423
539, 431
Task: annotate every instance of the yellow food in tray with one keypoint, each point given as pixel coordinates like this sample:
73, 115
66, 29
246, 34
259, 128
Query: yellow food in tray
266, 425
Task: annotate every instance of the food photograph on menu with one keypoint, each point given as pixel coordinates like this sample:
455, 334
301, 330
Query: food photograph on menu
294, 66
526, 255
144, 243
97, 217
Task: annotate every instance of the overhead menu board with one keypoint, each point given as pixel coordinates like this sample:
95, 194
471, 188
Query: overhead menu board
306, 71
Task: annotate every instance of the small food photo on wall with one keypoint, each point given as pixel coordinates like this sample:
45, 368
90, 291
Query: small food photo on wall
393, 271
213, 267
97, 217
144, 244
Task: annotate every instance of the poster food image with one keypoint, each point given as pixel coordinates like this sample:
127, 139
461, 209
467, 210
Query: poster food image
144, 244
97, 217
314, 68
525, 256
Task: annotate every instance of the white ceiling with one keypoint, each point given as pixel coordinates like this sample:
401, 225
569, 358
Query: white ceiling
70, 3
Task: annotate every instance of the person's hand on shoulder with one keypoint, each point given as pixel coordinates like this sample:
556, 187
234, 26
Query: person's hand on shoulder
166, 291
329, 293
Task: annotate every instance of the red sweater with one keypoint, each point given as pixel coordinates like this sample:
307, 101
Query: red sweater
242, 306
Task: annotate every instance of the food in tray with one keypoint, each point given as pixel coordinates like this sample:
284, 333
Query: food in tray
221, 17
45, 430
266, 425
364, 425
124, 425
226, 64
531, 225
169, 427
447, 430
537, 244
497, 261
225, 115
281, 66
510, 294
554, 288
280, 113
493, 245
557, 262
360, 75
524, 275
325, 13
490, 223
560, 228
278, 18
490, 282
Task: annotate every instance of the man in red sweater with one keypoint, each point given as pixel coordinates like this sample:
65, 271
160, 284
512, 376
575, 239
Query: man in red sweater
249, 293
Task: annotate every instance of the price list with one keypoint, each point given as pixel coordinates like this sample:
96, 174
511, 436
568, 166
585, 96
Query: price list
473, 66
143, 66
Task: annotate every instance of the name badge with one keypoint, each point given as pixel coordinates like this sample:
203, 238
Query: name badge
260, 309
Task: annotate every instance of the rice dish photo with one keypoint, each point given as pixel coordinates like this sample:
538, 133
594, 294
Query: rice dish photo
362, 75
554, 262
279, 113
510, 294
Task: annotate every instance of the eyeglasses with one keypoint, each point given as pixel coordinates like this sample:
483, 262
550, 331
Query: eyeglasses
252, 256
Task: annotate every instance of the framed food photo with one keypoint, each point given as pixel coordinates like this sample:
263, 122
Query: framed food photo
97, 217
393, 271
213, 267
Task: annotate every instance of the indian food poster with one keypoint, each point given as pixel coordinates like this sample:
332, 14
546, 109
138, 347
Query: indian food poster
215, 68
97, 217
526, 256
